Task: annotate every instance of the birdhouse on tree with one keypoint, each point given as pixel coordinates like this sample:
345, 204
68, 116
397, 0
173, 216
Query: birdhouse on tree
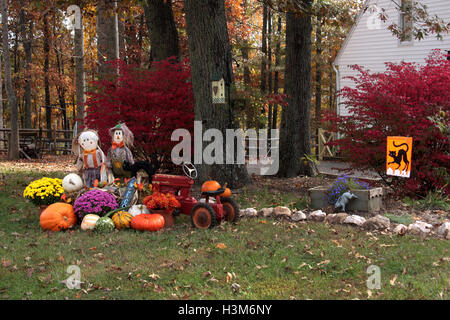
218, 89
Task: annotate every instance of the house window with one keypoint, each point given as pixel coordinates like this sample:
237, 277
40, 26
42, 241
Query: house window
406, 21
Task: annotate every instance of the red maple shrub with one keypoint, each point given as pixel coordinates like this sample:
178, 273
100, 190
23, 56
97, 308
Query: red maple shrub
152, 103
406, 100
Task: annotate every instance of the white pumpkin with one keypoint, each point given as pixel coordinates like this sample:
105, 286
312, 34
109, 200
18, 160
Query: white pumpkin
89, 222
72, 183
138, 209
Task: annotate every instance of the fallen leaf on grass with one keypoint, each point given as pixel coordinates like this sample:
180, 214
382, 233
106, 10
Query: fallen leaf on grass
6, 263
323, 262
221, 245
387, 245
261, 267
206, 274
304, 264
392, 282
154, 276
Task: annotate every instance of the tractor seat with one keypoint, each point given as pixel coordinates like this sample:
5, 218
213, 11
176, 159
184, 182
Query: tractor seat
213, 193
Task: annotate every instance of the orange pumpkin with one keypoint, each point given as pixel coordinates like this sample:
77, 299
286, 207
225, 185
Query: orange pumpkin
148, 222
58, 216
210, 185
227, 193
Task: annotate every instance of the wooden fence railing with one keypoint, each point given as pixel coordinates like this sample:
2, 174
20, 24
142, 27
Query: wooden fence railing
42, 141
324, 151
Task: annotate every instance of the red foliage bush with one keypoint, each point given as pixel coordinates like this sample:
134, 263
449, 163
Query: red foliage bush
399, 102
152, 103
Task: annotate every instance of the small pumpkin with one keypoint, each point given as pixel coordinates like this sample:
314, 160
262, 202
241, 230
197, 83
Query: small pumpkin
89, 222
226, 193
72, 183
210, 185
138, 209
148, 222
104, 225
58, 216
122, 220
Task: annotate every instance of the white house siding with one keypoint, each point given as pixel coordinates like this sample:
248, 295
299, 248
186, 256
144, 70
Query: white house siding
371, 48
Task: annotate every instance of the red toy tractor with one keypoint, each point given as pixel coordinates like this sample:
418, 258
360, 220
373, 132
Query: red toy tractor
204, 215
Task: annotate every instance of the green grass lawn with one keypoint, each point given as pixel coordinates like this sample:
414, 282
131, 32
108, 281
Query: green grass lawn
267, 258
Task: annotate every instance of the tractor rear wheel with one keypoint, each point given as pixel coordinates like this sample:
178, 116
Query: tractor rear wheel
203, 216
231, 209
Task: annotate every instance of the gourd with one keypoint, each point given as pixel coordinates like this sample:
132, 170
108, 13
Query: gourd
122, 220
72, 183
138, 209
210, 185
148, 222
89, 222
104, 225
58, 216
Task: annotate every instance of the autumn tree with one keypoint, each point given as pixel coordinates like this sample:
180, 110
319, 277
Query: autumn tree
13, 146
162, 29
107, 35
210, 53
295, 120
26, 28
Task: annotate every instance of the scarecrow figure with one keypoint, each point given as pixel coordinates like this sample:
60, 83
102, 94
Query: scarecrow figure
119, 154
90, 158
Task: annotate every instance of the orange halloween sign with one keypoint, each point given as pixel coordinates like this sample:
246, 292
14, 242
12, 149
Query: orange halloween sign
399, 156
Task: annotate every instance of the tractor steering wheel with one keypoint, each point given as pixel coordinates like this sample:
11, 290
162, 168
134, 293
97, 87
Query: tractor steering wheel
189, 170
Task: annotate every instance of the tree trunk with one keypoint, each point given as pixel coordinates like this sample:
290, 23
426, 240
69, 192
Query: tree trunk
1, 108
318, 79
162, 29
269, 65
80, 76
13, 146
244, 51
277, 74
121, 34
295, 122
48, 108
27, 38
264, 50
107, 37
140, 41
210, 52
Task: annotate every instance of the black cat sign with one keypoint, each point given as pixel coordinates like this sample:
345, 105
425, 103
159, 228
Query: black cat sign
399, 156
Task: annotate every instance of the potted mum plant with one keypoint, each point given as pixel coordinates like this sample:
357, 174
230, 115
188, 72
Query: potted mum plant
95, 202
163, 204
44, 192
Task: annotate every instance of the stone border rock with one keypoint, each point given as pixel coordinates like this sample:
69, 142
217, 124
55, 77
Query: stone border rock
376, 223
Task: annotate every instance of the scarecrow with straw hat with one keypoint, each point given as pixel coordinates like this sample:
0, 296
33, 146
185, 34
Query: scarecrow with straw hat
119, 153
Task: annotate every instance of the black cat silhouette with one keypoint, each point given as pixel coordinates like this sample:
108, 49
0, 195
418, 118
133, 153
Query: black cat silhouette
400, 156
